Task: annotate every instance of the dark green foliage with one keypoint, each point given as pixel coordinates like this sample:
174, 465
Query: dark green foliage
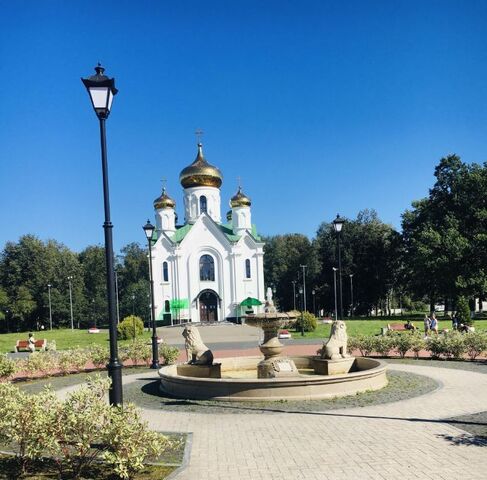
463, 311
308, 320
130, 327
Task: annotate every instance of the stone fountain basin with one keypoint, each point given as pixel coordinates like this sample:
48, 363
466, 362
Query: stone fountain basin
364, 374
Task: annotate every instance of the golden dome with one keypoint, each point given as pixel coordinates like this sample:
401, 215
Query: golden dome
164, 201
200, 173
240, 199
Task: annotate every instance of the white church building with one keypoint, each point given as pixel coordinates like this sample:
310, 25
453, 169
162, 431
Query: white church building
205, 268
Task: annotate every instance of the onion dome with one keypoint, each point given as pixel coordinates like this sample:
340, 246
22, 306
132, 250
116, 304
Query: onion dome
200, 173
240, 199
164, 201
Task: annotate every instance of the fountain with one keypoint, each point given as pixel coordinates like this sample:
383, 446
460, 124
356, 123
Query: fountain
274, 364
333, 373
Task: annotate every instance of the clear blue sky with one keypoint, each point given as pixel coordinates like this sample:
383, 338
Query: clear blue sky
320, 106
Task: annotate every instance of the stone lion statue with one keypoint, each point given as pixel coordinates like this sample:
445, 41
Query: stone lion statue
196, 351
336, 346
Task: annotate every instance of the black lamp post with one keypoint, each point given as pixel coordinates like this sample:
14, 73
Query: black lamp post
50, 306
149, 231
294, 294
314, 301
351, 294
301, 291
337, 225
101, 90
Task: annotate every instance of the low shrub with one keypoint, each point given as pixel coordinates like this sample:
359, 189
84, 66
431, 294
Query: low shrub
26, 421
435, 346
169, 353
99, 355
7, 367
366, 344
41, 363
353, 343
453, 345
130, 327
403, 343
475, 344
418, 344
384, 344
308, 320
138, 351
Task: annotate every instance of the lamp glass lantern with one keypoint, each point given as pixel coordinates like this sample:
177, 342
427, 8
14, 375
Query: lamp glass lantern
338, 223
101, 90
148, 230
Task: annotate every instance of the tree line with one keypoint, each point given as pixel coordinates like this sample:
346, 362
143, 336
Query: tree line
29, 266
439, 256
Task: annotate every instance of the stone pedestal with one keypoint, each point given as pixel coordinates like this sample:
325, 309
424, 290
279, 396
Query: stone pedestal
276, 367
325, 366
200, 371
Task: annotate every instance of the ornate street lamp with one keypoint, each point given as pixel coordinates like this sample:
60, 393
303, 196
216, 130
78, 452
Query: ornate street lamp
314, 301
149, 231
101, 90
338, 225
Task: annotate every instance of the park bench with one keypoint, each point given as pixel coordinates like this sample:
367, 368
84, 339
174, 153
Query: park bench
394, 327
23, 345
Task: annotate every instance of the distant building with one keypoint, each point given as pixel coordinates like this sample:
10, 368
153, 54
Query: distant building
205, 268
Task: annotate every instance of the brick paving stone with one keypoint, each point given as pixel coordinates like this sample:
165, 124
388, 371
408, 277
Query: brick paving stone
402, 440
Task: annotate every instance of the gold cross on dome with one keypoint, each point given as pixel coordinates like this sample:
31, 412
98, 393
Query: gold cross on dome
239, 182
199, 133
163, 181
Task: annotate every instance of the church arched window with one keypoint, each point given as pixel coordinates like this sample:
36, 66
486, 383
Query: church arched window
248, 272
167, 306
165, 272
207, 268
203, 204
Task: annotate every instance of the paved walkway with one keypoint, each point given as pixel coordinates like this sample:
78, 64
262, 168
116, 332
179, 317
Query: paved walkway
403, 440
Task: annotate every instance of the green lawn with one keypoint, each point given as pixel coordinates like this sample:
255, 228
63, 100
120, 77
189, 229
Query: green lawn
373, 327
65, 338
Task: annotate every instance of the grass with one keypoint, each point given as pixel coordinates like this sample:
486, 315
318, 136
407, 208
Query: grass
46, 469
65, 338
373, 327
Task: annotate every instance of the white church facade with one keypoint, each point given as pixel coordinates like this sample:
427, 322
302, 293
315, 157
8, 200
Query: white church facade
204, 268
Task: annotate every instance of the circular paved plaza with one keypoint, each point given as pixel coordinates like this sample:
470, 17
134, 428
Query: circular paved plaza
414, 438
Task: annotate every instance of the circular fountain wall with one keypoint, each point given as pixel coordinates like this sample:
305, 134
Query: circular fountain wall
237, 383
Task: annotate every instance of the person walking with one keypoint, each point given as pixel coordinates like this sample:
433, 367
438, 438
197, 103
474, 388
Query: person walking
426, 325
434, 323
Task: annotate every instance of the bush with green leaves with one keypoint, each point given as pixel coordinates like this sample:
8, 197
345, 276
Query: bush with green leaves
383, 344
138, 351
352, 344
99, 355
26, 421
453, 345
306, 319
130, 327
39, 363
475, 344
435, 346
169, 353
418, 344
129, 442
7, 367
463, 311
403, 343
366, 344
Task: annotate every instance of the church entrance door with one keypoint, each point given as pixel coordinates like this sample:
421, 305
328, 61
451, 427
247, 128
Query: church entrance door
208, 307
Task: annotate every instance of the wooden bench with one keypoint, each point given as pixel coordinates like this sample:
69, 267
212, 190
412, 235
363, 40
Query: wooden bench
23, 345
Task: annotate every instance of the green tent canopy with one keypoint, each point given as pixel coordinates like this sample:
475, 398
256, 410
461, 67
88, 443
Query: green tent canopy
250, 302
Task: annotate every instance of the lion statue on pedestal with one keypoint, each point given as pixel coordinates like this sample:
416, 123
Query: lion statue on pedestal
336, 346
196, 351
